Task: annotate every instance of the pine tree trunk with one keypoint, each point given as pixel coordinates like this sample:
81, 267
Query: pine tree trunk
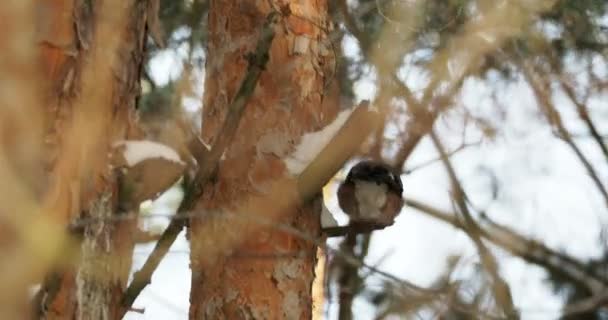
242, 266
91, 53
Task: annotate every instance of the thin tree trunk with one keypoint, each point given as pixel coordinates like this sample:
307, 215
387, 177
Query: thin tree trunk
92, 52
242, 266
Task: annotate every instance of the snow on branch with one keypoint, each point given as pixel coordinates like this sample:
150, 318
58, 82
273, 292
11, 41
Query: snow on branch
136, 151
147, 169
312, 143
330, 148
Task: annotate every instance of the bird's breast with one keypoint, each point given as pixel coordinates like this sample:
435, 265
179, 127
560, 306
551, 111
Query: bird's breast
371, 197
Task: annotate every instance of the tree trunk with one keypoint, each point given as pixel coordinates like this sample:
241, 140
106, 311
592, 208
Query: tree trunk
91, 52
243, 266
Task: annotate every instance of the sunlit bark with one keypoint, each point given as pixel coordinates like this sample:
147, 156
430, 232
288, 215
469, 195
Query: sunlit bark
91, 53
264, 273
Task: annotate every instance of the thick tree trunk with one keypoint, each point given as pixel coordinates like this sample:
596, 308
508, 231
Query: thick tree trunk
92, 52
243, 267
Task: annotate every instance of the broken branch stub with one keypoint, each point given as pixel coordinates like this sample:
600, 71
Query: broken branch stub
147, 169
342, 146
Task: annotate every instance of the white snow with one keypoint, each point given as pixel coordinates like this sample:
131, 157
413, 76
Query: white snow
327, 219
312, 143
136, 151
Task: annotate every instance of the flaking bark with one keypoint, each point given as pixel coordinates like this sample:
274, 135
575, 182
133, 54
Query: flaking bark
242, 266
92, 60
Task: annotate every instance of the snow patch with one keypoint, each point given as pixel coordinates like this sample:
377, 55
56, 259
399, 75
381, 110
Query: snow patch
312, 143
136, 151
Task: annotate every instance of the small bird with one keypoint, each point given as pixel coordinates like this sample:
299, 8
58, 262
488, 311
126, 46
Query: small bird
371, 194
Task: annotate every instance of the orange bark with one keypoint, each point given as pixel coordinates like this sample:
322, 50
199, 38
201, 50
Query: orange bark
242, 267
56, 35
92, 77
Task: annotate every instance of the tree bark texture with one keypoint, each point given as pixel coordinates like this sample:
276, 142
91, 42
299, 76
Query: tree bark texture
91, 54
243, 266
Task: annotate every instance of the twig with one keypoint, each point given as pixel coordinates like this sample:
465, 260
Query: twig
358, 228
585, 305
583, 113
351, 25
531, 251
194, 187
419, 115
424, 113
460, 148
540, 87
142, 236
138, 310
423, 294
349, 280
581, 109
500, 288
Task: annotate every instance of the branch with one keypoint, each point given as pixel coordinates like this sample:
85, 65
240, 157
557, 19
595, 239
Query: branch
340, 231
540, 87
581, 109
500, 288
342, 147
142, 236
424, 113
583, 113
451, 153
350, 281
344, 144
531, 251
351, 25
585, 305
194, 187
422, 119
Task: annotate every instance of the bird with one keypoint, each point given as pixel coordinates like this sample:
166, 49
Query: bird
371, 195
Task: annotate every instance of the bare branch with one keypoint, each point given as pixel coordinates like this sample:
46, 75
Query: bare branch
531, 251
585, 305
583, 113
540, 87
500, 288
460, 148
342, 146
